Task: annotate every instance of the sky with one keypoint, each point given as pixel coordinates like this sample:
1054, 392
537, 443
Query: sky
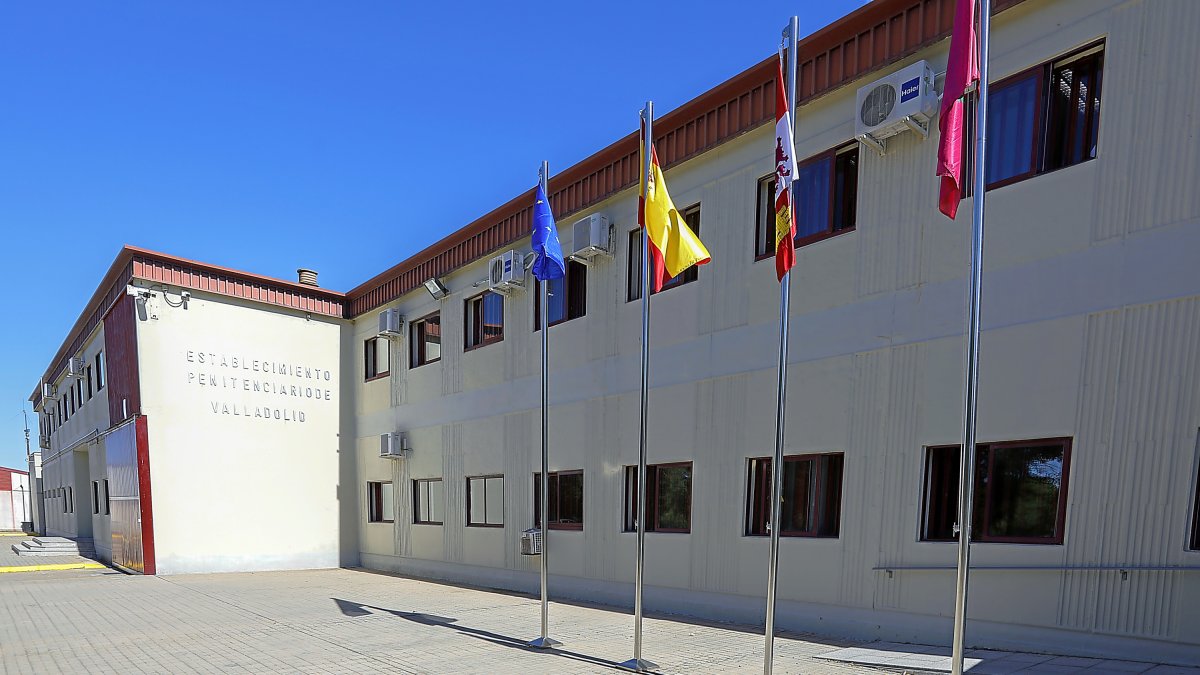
270, 135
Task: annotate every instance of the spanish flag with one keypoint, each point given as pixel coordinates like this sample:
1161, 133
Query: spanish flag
673, 245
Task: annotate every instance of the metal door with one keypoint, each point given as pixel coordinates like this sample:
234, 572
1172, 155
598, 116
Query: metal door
120, 445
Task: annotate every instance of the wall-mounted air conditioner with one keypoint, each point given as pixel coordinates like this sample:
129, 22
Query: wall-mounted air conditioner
506, 273
391, 323
49, 392
75, 366
590, 237
393, 445
44, 442
902, 101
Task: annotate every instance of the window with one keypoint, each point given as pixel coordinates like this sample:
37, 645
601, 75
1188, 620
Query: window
377, 358
1020, 492
69, 503
668, 497
96, 497
485, 501
483, 319
89, 381
428, 500
107, 499
812, 496
99, 370
568, 296
1040, 120
79, 391
426, 339
381, 502
1194, 544
566, 500
691, 216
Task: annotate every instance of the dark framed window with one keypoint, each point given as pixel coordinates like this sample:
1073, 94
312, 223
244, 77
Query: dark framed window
811, 496
668, 497
89, 382
633, 277
1194, 540
1040, 120
70, 503
568, 296
566, 500
1020, 492
428, 501
826, 194
425, 337
107, 499
764, 222
377, 358
96, 498
483, 319
485, 501
79, 391
381, 502
100, 370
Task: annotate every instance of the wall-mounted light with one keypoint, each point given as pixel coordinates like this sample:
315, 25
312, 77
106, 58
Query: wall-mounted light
436, 288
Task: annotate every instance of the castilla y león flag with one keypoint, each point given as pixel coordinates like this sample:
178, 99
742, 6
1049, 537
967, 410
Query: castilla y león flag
785, 172
673, 245
962, 70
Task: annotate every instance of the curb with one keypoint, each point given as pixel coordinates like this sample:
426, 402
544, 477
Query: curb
52, 567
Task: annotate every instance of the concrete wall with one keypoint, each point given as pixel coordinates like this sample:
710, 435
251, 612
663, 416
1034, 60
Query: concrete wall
242, 403
1090, 311
14, 502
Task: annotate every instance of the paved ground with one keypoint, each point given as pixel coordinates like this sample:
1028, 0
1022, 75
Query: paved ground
348, 621
11, 562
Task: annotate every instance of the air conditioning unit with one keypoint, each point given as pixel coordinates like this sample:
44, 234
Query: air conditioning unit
507, 272
75, 366
44, 442
531, 542
393, 445
49, 392
591, 237
902, 101
391, 323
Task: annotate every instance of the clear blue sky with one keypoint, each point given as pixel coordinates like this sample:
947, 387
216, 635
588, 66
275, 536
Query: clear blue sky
340, 136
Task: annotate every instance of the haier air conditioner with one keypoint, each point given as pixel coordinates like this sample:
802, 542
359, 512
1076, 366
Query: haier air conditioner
75, 366
902, 101
393, 445
391, 323
591, 237
507, 272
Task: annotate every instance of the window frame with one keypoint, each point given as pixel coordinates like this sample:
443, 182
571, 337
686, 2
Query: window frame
375, 502
485, 478
416, 495
100, 372
469, 305
574, 269
688, 276
979, 526
371, 359
413, 342
107, 499
554, 477
95, 498
831, 155
1194, 533
652, 474
764, 497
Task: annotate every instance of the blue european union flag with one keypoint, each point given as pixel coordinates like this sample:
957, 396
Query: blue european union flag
549, 263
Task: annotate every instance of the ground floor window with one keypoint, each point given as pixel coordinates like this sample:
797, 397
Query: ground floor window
1194, 544
485, 501
811, 496
668, 497
566, 500
381, 502
107, 499
1020, 492
96, 497
428, 501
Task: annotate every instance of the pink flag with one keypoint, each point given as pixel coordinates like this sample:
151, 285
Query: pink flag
962, 70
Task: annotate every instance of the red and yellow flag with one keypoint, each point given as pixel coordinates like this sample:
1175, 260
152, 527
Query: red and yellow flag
785, 172
673, 245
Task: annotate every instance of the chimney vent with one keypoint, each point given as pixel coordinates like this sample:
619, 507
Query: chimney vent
307, 277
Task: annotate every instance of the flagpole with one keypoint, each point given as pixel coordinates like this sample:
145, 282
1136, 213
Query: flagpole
790, 36
966, 465
637, 664
545, 641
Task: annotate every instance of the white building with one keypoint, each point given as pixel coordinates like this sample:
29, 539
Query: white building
1088, 531
15, 504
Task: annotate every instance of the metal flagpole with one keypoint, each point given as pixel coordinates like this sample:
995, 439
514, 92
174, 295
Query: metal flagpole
637, 664
966, 462
790, 37
544, 641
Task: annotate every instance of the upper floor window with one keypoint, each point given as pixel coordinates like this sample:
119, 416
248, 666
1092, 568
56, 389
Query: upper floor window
668, 497
79, 391
381, 502
566, 500
89, 382
1194, 540
812, 496
483, 319
426, 340
100, 370
691, 216
485, 501
1020, 492
568, 296
428, 501
377, 357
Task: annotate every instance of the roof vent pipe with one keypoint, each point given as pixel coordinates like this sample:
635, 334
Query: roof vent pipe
307, 277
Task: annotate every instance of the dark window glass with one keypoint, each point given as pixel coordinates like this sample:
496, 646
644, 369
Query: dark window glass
89, 382
426, 340
1012, 118
1074, 111
1020, 492
566, 500
811, 499
428, 501
845, 189
381, 504
99, 370
96, 497
376, 357
691, 216
811, 190
764, 229
568, 296
1194, 542
668, 498
484, 320
107, 499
